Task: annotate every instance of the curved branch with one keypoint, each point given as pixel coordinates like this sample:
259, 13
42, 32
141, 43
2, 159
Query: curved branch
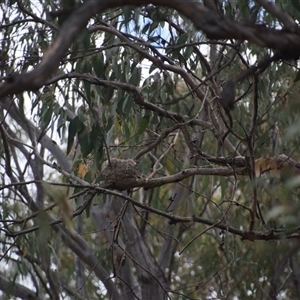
36, 18
284, 18
205, 19
66, 35
81, 245
138, 97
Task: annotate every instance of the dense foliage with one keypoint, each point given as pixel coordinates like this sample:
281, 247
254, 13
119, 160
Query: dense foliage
138, 152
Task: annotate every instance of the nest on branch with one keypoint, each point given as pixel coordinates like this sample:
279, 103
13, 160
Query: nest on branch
121, 173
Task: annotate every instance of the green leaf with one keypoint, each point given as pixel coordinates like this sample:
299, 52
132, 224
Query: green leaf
120, 102
61, 122
127, 105
188, 51
144, 123
88, 209
136, 76
243, 7
109, 123
182, 39
46, 116
146, 28
74, 50
126, 130
204, 184
87, 85
85, 143
291, 7
82, 114
86, 38
107, 94
223, 182
75, 126
127, 14
99, 66
153, 27
297, 78
96, 137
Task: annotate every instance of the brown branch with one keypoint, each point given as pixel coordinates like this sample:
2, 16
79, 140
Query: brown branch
204, 231
205, 19
36, 18
2, 26
138, 97
159, 139
245, 235
227, 98
273, 164
283, 17
252, 158
15, 289
66, 35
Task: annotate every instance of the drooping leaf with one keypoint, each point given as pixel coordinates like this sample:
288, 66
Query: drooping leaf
75, 127
144, 123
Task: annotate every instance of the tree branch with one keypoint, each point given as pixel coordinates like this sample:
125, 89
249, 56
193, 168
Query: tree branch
17, 290
283, 17
205, 19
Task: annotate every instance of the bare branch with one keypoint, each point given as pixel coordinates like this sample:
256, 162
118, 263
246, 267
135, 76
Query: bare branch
283, 17
205, 19
17, 290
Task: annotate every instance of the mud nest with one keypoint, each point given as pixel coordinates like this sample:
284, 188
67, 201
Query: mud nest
121, 173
